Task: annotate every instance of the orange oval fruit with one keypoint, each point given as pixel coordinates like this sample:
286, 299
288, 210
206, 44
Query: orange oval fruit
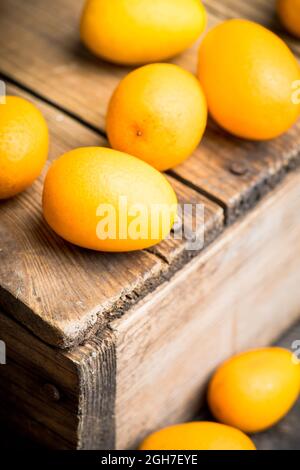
158, 113
289, 14
198, 436
105, 200
24, 144
141, 31
247, 74
254, 390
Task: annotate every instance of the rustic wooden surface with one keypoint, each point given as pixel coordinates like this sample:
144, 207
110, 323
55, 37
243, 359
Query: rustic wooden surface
73, 292
110, 387
284, 436
64, 399
261, 11
169, 342
70, 77
241, 292
41, 52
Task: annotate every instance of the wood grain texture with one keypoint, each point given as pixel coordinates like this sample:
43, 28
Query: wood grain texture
241, 292
96, 366
52, 61
284, 436
57, 290
64, 293
203, 226
30, 365
55, 65
81, 414
150, 367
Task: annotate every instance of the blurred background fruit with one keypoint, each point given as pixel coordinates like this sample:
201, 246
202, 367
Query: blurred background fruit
158, 113
198, 436
141, 31
24, 144
83, 179
254, 390
247, 73
289, 14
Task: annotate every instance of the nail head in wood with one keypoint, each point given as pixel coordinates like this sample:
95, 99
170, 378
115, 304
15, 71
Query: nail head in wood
51, 392
239, 168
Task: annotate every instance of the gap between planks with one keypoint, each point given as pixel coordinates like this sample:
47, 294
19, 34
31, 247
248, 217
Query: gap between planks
152, 267
69, 68
12, 82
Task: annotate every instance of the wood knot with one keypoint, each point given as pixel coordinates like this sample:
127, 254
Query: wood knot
239, 168
51, 392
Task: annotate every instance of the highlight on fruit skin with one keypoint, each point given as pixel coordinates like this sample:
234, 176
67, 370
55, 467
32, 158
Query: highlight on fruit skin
24, 145
105, 200
158, 113
289, 14
247, 74
198, 436
256, 389
138, 32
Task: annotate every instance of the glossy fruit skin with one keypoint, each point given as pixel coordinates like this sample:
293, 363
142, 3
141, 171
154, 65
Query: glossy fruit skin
289, 14
198, 436
79, 181
24, 144
136, 32
247, 73
158, 113
254, 390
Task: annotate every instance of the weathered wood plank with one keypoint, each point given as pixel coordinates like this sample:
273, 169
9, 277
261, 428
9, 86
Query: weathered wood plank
57, 290
97, 368
53, 63
283, 436
171, 341
238, 173
64, 293
242, 292
80, 414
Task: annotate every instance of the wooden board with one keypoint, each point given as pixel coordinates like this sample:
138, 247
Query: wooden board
151, 366
54, 64
63, 399
242, 292
237, 173
74, 292
145, 329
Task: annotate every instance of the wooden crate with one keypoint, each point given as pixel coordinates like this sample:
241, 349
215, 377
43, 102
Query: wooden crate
104, 348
